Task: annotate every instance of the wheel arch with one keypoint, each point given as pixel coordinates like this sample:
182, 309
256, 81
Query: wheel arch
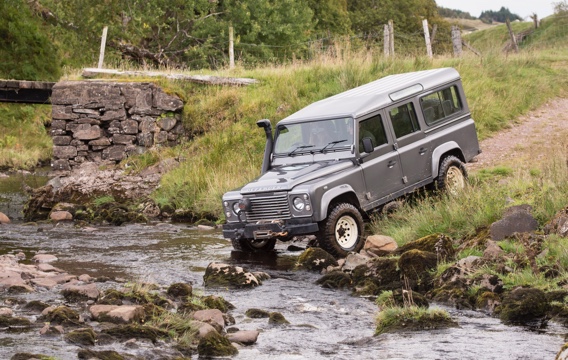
341, 193
446, 149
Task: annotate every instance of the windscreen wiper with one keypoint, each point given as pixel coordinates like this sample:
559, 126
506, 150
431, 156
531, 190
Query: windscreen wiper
332, 144
301, 147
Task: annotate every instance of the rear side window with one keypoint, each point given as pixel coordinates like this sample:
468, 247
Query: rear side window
404, 120
440, 105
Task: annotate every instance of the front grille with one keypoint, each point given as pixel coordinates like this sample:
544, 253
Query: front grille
274, 207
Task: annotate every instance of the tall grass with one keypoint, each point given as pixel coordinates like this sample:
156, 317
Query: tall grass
483, 202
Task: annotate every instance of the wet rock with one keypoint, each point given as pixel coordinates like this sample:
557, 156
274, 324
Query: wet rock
562, 353
85, 278
215, 345
48, 330
129, 331
257, 313
527, 306
84, 337
316, 259
87, 354
47, 268
380, 245
353, 260
61, 315
75, 293
415, 266
8, 321
179, 290
244, 337
111, 297
4, 219
44, 258
13, 282
378, 275
217, 302
203, 329
225, 275
438, 244
277, 318
4, 311
515, 220
488, 301
44, 282
60, 216
335, 280
558, 225
29, 356
119, 314
211, 316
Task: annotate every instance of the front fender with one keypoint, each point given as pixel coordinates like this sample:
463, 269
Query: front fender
328, 197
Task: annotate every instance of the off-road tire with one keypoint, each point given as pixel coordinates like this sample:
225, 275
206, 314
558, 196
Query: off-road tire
248, 245
342, 231
452, 175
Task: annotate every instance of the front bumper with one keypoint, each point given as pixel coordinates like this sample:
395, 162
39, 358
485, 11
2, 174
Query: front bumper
277, 229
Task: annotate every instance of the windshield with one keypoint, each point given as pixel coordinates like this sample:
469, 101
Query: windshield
315, 136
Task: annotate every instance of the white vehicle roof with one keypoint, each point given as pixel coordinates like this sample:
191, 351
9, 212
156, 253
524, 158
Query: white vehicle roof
374, 95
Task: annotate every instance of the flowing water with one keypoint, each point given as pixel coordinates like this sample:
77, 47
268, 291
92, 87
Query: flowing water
324, 324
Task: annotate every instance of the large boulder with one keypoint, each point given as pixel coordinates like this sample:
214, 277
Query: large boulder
438, 244
225, 275
380, 245
376, 276
525, 306
415, 266
516, 219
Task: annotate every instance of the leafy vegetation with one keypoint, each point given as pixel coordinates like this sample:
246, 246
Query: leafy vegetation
502, 15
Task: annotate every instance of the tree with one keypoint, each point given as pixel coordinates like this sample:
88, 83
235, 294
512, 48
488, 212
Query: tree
330, 17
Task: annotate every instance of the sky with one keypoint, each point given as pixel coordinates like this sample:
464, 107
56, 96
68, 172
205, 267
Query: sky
523, 8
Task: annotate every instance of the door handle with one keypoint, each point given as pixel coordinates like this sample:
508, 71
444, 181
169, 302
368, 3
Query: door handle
422, 151
391, 164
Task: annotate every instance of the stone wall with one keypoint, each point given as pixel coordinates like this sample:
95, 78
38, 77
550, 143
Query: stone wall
107, 121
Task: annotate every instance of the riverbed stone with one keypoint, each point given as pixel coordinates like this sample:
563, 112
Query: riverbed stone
210, 316
277, 318
118, 313
203, 328
4, 219
215, 345
75, 292
219, 274
82, 337
245, 337
527, 306
62, 315
380, 245
44, 258
316, 259
60, 216
4, 311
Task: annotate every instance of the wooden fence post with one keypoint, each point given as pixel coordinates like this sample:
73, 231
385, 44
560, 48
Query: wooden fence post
103, 45
386, 41
457, 41
231, 49
391, 38
427, 38
513, 37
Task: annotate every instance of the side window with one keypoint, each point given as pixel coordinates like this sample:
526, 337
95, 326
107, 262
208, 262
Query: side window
372, 128
404, 120
440, 105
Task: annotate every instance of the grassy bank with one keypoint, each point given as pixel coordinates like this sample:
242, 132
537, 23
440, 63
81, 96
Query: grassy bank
229, 153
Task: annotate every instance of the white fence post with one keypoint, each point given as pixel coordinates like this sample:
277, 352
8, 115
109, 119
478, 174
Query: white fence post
103, 45
427, 38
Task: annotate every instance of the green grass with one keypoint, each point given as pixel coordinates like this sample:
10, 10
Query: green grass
392, 319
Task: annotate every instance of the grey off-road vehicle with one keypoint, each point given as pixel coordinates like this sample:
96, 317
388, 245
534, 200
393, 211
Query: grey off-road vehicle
341, 158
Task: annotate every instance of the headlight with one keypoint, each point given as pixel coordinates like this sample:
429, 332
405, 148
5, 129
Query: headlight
236, 208
299, 204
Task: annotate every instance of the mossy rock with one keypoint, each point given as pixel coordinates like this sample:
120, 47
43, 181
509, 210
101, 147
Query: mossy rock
335, 280
36, 306
152, 311
277, 318
215, 345
412, 319
101, 355
525, 306
217, 302
438, 244
28, 356
189, 307
63, 315
405, 298
111, 297
179, 290
316, 259
225, 275
257, 313
453, 296
14, 323
85, 337
129, 331
415, 265
378, 275
488, 301
557, 295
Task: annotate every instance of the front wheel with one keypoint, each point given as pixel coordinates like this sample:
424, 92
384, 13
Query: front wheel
251, 245
342, 231
452, 175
